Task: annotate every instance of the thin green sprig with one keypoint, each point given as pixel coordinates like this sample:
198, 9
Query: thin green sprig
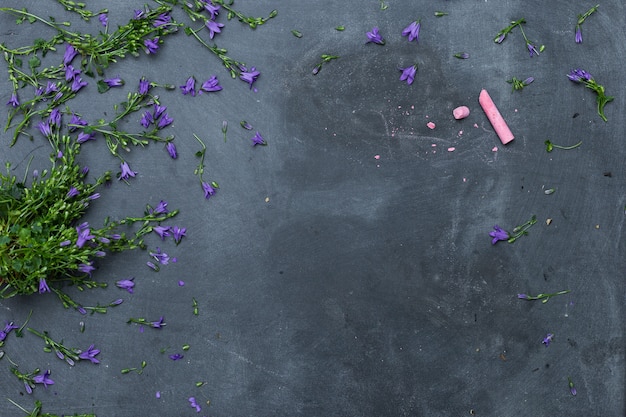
543, 297
522, 229
550, 146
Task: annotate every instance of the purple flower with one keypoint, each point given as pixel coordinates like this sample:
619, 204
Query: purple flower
500, 38
45, 129
73, 192
76, 122
249, 76
181, 283
408, 74
528, 80
51, 88
498, 234
90, 354
158, 111
14, 101
84, 137
7, 329
83, 236
579, 75
532, 50
43, 379
171, 149
162, 20
114, 82
208, 190
178, 233
70, 72
164, 121
144, 86
152, 45
462, 55
412, 31
152, 266
162, 231
258, 139
189, 87
212, 9
158, 324
70, 53
65, 243
161, 257
210, 85
104, 19
546, 340
43, 286
375, 37
86, 268
176, 356
126, 171
78, 83
55, 117
126, 284
579, 34
194, 404
160, 208
146, 119
214, 27
522, 296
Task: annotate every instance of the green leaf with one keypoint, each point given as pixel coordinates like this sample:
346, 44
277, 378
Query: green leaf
34, 62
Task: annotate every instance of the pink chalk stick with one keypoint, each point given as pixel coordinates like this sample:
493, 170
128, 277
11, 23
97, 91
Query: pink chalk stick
496, 119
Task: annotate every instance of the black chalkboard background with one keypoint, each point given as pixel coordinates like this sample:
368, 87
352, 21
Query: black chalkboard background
346, 268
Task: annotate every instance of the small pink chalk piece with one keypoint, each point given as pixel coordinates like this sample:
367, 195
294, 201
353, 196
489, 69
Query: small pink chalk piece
431, 125
461, 112
496, 119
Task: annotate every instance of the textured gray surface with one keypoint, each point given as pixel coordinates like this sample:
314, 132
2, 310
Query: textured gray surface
363, 286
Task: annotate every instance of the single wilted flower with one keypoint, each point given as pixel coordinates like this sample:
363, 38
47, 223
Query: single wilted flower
498, 234
258, 139
578, 37
146, 119
171, 149
152, 45
162, 20
144, 86
249, 76
408, 74
90, 354
412, 31
214, 27
583, 77
70, 54
178, 233
375, 37
104, 19
462, 55
43, 286
164, 121
211, 85
212, 9
208, 190
126, 284
14, 101
114, 82
77, 84
189, 87
43, 379
162, 231
176, 356
546, 340
126, 171
519, 84
194, 404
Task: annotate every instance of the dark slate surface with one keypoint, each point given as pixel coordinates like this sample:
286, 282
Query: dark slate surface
332, 283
